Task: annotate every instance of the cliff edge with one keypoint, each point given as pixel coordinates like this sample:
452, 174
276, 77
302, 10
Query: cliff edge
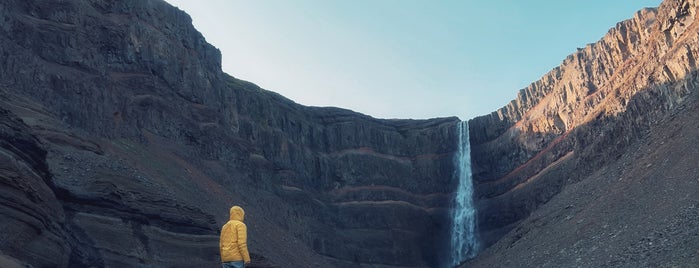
584, 115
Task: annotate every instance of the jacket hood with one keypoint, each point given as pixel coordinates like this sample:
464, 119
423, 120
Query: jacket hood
237, 213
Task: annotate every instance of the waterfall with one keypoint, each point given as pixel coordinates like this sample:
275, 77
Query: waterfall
464, 237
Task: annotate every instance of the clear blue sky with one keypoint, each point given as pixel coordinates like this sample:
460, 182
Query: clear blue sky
401, 58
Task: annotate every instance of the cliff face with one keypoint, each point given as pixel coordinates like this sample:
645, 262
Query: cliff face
583, 114
637, 210
29, 206
126, 145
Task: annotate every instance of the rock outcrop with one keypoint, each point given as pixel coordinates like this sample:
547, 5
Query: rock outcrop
131, 144
32, 216
639, 210
583, 114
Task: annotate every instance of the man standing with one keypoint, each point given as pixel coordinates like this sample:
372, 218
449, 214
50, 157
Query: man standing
233, 243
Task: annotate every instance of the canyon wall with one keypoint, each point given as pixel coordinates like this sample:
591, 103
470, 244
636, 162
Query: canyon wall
582, 114
124, 144
130, 144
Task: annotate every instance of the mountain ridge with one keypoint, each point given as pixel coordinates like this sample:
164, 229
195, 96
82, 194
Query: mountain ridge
614, 88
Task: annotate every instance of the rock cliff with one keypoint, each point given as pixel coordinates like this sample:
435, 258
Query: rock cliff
29, 205
126, 145
637, 210
584, 114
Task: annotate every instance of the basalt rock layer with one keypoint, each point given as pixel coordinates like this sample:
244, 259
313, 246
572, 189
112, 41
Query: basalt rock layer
124, 145
584, 114
638, 210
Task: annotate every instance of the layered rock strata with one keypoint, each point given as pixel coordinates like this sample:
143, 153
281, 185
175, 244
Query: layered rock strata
32, 217
138, 144
124, 144
582, 114
639, 210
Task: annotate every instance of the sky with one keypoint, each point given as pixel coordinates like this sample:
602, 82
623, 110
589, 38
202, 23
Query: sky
401, 58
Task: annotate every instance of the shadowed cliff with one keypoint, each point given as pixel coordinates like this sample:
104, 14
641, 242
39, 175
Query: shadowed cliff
136, 144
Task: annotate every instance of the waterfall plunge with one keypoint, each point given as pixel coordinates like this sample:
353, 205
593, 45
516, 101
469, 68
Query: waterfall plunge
464, 240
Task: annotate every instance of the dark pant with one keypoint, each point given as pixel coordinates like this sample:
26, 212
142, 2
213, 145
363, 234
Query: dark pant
234, 264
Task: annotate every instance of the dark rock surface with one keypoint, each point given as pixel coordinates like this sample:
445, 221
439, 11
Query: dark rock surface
32, 218
143, 144
124, 144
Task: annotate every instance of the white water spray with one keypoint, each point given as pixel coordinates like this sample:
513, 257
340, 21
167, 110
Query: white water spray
464, 236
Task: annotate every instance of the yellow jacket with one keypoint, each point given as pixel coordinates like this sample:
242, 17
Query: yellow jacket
234, 236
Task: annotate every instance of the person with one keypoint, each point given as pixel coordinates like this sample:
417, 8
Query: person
233, 242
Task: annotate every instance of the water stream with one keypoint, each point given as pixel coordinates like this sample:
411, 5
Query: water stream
464, 236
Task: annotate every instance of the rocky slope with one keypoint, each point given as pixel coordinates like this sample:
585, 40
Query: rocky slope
127, 145
639, 210
584, 114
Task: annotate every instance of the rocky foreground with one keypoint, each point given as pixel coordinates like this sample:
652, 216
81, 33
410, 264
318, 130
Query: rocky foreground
124, 144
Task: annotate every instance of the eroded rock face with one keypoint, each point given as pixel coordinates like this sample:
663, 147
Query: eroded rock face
640, 210
32, 217
124, 144
583, 114
143, 144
